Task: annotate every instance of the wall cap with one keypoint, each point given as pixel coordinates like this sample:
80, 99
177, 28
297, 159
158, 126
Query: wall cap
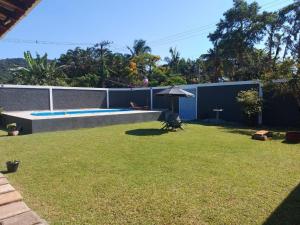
189, 86
126, 89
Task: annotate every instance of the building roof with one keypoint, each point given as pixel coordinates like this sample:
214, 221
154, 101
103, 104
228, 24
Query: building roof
11, 11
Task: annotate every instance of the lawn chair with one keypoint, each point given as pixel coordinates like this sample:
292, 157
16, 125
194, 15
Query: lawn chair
136, 107
172, 121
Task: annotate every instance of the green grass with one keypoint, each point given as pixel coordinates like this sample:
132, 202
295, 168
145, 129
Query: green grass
134, 174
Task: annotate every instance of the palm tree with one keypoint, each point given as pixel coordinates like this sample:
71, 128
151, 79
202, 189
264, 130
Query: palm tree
173, 61
103, 55
139, 48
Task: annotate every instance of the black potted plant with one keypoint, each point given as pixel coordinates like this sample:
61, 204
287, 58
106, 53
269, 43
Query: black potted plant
12, 129
292, 137
12, 166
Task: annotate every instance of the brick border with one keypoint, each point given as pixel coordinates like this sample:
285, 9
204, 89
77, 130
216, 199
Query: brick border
13, 211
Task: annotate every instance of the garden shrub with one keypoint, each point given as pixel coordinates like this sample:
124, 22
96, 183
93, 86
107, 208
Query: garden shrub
251, 104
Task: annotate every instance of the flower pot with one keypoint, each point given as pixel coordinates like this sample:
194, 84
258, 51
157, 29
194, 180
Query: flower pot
13, 133
292, 137
12, 166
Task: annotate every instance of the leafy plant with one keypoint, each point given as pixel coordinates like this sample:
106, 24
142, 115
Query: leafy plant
251, 104
289, 85
11, 127
175, 79
39, 71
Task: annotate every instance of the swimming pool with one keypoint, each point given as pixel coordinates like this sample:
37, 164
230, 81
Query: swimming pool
44, 121
78, 112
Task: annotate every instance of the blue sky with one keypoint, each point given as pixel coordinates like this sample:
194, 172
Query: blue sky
184, 24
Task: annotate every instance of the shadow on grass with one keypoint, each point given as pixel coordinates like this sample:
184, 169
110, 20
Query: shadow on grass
277, 135
290, 143
146, 132
3, 132
5, 172
288, 212
235, 128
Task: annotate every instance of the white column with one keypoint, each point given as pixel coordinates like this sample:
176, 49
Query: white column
151, 98
261, 95
51, 98
107, 98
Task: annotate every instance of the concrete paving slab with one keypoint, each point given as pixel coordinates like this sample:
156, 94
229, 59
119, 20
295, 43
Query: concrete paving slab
3, 181
27, 218
10, 197
6, 188
13, 209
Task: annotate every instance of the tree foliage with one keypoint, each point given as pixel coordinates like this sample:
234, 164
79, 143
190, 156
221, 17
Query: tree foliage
139, 47
39, 71
251, 103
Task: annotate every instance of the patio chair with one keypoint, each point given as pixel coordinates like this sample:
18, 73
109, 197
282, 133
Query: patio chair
172, 121
136, 107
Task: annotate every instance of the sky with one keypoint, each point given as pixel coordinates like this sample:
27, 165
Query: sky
54, 26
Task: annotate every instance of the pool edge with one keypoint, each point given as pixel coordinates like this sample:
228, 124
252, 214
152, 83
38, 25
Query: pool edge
29, 126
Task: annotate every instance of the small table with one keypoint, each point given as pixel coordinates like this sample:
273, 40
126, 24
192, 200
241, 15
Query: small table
218, 113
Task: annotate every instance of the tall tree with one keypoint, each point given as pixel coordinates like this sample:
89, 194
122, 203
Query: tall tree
139, 47
289, 67
214, 66
142, 61
103, 56
274, 39
237, 34
290, 15
119, 71
76, 64
173, 60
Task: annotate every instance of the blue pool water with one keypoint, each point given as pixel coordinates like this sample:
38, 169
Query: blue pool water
78, 112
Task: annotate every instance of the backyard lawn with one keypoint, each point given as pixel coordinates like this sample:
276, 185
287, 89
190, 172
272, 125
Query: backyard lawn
135, 174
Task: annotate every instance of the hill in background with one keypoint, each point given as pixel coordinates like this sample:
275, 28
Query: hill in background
6, 65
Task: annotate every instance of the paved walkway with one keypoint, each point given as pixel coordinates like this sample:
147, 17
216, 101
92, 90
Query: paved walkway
13, 211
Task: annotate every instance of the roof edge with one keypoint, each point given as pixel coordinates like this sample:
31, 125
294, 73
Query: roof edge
22, 17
